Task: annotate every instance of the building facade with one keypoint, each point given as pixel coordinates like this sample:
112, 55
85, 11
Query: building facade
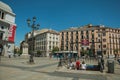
31, 40
44, 40
7, 29
91, 38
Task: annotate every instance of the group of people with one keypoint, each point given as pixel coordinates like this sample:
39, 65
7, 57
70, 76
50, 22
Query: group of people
77, 65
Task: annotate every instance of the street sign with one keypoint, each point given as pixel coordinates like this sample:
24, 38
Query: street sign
85, 42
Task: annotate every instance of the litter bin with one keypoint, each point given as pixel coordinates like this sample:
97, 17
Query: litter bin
110, 66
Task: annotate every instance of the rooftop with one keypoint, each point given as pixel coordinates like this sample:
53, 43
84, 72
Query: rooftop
5, 7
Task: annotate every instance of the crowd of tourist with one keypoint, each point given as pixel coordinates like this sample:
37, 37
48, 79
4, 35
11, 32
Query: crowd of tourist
77, 65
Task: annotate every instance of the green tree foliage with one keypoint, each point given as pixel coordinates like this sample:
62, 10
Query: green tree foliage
55, 49
116, 51
84, 52
39, 52
19, 52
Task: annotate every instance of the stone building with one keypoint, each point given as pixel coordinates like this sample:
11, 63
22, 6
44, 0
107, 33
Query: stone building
96, 39
44, 40
7, 29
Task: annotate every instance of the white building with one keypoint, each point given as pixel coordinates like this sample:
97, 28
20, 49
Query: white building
7, 29
46, 40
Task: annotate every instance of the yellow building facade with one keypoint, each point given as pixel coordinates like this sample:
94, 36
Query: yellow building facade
98, 38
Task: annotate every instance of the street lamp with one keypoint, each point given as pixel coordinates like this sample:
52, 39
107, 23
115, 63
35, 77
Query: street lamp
34, 27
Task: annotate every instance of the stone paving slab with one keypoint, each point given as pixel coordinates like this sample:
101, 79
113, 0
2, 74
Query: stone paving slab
46, 69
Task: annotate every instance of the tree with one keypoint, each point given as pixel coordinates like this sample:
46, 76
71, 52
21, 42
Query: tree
55, 49
82, 52
116, 50
19, 52
39, 53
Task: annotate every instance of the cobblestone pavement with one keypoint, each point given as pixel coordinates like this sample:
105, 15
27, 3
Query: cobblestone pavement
46, 69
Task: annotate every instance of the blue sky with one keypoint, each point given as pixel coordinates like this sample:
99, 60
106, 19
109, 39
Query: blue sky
62, 14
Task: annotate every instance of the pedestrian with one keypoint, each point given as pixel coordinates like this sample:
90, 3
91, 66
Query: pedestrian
60, 63
102, 62
70, 64
57, 56
50, 55
77, 64
1, 49
0, 54
118, 60
83, 65
9, 54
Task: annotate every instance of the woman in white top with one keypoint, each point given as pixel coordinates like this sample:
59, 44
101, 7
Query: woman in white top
83, 65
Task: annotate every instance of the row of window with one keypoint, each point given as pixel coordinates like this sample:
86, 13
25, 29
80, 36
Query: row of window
41, 48
44, 48
41, 43
114, 30
99, 46
114, 36
115, 41
87, 33
44, 42
87, 36
53, 38
44, 38
82, 36
92, 41
82, 32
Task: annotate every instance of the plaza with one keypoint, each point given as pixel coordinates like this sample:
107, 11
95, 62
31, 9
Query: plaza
46, 69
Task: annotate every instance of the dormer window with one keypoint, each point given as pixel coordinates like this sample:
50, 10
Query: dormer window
2, 27
2, 14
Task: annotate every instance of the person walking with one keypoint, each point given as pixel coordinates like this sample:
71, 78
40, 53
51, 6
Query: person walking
0, 53
1, 50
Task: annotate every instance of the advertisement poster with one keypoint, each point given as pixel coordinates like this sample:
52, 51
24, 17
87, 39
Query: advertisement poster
11, 33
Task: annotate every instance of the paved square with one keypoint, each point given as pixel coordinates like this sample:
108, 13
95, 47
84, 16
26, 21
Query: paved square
46, 69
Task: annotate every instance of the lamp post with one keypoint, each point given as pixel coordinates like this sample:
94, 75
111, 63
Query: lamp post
34, 27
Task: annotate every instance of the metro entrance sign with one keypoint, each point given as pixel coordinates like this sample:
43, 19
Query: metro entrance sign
85, 42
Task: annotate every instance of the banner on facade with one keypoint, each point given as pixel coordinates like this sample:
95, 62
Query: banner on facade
85, 42
11, 33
